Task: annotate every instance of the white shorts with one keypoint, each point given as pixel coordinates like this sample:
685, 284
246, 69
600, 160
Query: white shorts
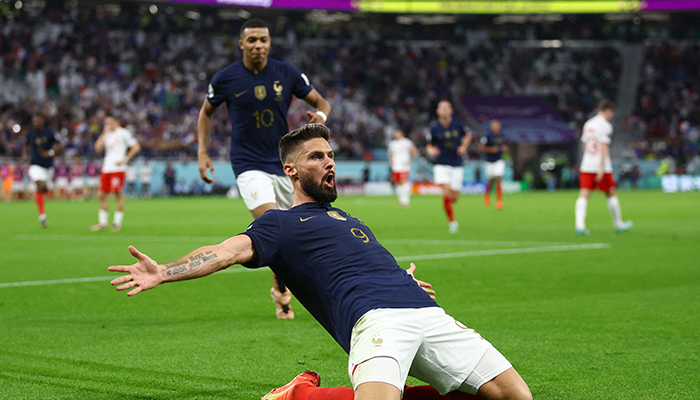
38, 173
62, 183
77, 183
258, 188
18, 187
92, 181
447, 174
387, 345
495, 169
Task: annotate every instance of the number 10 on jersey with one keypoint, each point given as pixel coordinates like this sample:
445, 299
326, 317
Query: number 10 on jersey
264, 118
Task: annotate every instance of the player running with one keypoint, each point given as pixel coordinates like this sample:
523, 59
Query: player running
258, 92
401, 153
120, 146
43, 143
448, 143
493, 145
596, 168
386, 321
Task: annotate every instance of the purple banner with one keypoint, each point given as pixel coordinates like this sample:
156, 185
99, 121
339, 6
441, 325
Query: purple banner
670, 5
523, 119
336, 5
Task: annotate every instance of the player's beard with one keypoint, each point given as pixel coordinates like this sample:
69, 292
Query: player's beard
319, 192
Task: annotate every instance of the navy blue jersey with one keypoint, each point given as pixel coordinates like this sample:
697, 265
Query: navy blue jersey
257, 107
333, 264
38, 142
447, 140
493, 140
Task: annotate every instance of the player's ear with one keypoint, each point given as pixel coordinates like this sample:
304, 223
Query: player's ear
290, 170
240, 44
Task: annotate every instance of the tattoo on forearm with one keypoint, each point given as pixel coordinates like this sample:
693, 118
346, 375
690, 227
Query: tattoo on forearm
191, 262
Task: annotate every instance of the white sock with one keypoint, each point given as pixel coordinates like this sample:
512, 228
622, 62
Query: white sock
102, 217
615, 213
405, 193
581, 209
118, 218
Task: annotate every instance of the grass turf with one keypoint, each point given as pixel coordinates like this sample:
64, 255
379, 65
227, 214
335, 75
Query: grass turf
616, 320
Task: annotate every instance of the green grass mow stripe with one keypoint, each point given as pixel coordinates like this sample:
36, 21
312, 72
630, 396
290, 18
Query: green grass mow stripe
404, 258
103, 238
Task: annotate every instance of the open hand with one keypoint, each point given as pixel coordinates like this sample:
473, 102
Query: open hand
143, 275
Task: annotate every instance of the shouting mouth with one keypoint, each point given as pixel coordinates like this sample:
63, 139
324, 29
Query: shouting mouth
330, 180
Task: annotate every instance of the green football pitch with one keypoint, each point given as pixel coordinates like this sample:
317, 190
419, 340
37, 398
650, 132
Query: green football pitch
599, 317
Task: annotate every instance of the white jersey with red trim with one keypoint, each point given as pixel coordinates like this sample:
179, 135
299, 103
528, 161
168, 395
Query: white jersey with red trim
596, 131
400, 154
117, 144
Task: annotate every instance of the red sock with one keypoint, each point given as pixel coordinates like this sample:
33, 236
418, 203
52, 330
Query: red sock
499, 192
40, 202
324, 393
447, 203
488, 188
427, 392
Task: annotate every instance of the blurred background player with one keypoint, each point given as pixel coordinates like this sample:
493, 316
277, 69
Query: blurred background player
19, 188
61, 179
401, 153
92, 182
7, 174
448, 143
43, 143
493, 145
258, 92
146, 173
130, 177
77, 179
596, 168
119, 146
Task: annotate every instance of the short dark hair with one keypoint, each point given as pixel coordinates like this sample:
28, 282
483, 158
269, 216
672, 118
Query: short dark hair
606, 105
290, 143
254, 23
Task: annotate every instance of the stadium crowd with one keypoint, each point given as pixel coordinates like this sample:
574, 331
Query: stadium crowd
73, 64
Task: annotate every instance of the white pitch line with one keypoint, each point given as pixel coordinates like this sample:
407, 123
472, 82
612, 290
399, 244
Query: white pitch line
505, 251
99, 279
404, 258
216, 239
469, 242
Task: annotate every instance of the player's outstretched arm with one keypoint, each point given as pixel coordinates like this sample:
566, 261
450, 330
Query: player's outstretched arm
204, 123
147, 274
425, 285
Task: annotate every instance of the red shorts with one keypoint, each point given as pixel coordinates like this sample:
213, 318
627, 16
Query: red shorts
587, 181
399, 177
112, 182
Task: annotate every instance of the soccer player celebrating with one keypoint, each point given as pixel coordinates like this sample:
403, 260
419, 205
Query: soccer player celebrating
493, 145
448, 143
596, 168
258, 92
401, 154
44, 144
119, 146
354, 287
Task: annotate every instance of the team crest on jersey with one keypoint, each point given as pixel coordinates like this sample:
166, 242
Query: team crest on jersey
260, 92
278, 91
335, 215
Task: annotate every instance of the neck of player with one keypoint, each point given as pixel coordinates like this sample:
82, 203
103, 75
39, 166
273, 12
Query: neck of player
255, 66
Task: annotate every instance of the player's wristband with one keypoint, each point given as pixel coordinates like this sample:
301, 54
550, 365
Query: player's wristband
323, 115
